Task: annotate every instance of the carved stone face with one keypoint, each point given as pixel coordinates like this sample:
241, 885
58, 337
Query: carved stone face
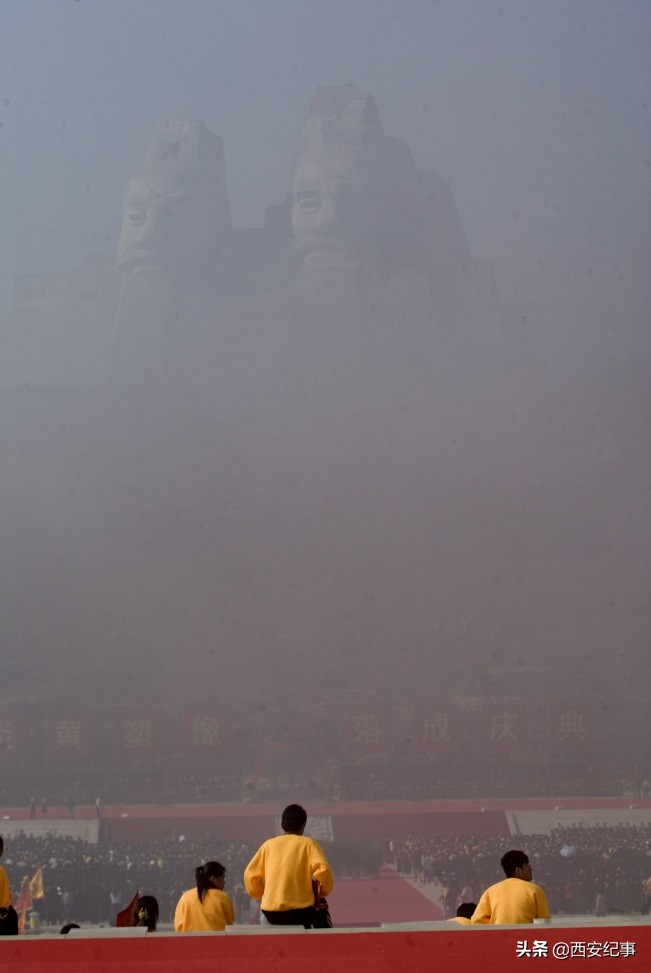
173, 224
338, 207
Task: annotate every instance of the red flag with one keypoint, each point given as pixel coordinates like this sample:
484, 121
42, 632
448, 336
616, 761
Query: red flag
128, 915
23, 905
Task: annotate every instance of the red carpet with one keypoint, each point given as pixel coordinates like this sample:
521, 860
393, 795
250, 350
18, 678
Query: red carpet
389, 898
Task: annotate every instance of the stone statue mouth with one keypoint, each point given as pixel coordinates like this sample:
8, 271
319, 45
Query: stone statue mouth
330, 258
140, 264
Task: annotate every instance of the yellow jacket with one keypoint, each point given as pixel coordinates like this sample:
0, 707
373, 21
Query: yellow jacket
281, 871
5, 891
511, 902
214, 913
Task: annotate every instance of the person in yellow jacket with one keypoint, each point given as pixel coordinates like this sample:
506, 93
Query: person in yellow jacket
465, 912
207, 907
5, 891
280, 873
8, 917
516, 900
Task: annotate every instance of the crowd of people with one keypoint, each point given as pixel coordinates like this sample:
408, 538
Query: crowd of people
87, 883
574, 865
583, 870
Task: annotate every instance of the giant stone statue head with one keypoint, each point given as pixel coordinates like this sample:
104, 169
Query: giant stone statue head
359, 201
348, 186
177, 218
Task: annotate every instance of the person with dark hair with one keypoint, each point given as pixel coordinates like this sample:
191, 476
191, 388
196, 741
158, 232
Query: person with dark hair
282, 871
465, 912
516, 900
207, 907
8, 916
147, 912
68, 926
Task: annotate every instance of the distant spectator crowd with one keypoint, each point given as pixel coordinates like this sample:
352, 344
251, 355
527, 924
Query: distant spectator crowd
92, 883
88, 883
574, 866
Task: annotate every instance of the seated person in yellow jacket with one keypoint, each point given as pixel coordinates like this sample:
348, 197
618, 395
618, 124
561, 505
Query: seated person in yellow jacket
8, 917
465, 912
517, 899
281, 872
5, 891
207, 907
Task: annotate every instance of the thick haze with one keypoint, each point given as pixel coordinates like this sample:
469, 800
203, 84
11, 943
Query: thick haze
536, 113
395, 498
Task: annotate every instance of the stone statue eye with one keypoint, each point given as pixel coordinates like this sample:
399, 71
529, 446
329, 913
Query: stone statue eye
136, 217
308, 201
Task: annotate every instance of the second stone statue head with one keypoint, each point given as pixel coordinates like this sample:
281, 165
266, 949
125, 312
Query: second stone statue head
176, 213
345, 179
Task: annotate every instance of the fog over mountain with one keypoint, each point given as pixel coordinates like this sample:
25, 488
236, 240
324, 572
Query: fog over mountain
324, 352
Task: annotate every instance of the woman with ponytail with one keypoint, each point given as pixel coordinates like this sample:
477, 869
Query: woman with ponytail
207, 907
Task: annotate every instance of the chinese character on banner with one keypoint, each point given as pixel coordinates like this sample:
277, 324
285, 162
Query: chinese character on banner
571, 726
437, 728
136, 732
206, 729
68, 733
11, 736
504, 726
367, 731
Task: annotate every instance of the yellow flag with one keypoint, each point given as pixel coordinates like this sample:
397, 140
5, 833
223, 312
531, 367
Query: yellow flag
36, 884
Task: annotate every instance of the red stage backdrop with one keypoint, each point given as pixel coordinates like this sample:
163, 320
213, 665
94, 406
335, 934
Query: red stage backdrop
504, 726
571, 726
136, 733
437, 729
205, 728
12, 736
68, 733
368, 731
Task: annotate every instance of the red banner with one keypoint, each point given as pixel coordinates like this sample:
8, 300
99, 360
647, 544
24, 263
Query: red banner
368, 731
206, 728
137, 733
68, 733
571, 726
12, 736
505, 726
437, 729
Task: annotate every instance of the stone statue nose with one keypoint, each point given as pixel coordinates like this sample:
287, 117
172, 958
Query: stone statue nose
151, 228
325, 221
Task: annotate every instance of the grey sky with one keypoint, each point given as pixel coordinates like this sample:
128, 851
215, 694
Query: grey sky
537, 113
438, 489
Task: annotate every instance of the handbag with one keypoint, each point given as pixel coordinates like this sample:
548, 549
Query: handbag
321, 918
